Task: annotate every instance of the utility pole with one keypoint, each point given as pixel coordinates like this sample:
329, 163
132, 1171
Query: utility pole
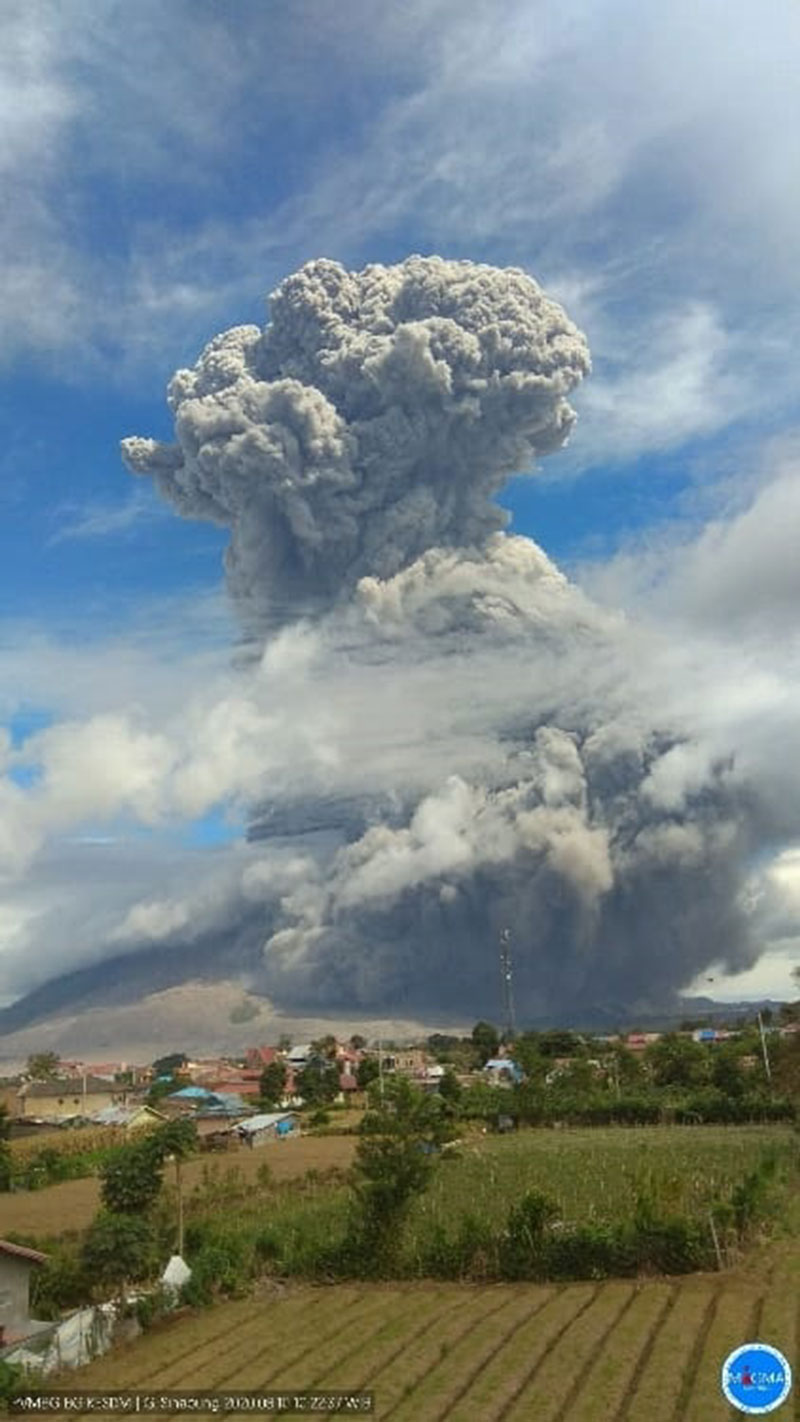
507, 980
179, 1191
764, 1052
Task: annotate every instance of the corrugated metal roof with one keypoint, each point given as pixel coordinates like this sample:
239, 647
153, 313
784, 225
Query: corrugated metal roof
263, 1122
123, 1115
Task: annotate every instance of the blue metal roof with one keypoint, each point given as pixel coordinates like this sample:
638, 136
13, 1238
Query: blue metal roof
504, 1064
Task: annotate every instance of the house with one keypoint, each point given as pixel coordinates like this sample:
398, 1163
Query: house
407, 1060
299, 1057
199, 1101
271, 1126
638, 1041
259, 1057
238, 1086
16, 1263
128, 1118
502, 1071
64, 1099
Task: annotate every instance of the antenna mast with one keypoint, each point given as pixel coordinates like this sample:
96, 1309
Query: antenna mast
507, 978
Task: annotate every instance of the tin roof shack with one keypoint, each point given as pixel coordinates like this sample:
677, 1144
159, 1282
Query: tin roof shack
128, 1118
272, 1126
16, 1263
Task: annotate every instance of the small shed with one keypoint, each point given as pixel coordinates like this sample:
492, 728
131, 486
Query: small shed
271, 1126
16, 1263
128, 1118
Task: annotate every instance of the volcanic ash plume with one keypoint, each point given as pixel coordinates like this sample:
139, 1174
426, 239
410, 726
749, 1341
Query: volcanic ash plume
488, 761
373, 418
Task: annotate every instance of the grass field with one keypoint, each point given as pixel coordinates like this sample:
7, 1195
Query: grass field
610, 1352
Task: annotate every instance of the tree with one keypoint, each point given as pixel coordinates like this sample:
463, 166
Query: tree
559, 1042
272, 1083
449, 1087
624, 1068
318, 1083
325, 1047
440, 1044
131, 1179
357, 1042
5, 1151
485, 1040
398, 1139
367, 1071
169, 1065
43, 1066
159, 1090
677, 1061
175, 1141
173, 1138
284, 1042
119, 1249
727, 1073
528, 1056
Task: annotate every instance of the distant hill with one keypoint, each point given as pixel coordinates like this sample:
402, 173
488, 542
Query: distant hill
199, 1017
138, 1006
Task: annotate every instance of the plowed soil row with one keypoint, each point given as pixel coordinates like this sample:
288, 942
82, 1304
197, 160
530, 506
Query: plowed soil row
595, 1352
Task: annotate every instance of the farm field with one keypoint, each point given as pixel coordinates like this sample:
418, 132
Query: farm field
593, 1174
588, 1352
71, 1205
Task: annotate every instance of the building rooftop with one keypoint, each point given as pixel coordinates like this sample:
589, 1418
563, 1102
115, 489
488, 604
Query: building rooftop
264, 1121
20, 1251
67, 1086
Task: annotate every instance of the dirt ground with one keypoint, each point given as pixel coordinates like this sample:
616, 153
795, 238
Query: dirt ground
72, 1204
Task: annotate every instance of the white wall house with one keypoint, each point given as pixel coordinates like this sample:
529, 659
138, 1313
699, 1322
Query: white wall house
16, 1263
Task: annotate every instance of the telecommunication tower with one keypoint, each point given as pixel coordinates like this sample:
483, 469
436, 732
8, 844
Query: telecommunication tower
507, 979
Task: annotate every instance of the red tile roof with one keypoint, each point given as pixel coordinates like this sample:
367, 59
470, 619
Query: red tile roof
264, 1055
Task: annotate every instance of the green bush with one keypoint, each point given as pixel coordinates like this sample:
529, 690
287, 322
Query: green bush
14, 1380
152, 1307
61, 1283
222, 1259
118, 1249
470, 1253
522, 1244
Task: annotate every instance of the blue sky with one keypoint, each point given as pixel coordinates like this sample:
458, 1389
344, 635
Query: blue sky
166, 165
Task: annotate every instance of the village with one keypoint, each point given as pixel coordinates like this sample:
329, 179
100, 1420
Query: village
259, 1096
71, 1124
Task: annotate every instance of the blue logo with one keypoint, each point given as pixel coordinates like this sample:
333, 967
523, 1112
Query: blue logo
756, 1378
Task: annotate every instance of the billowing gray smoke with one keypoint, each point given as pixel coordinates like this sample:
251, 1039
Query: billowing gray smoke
490, 762
373, 418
